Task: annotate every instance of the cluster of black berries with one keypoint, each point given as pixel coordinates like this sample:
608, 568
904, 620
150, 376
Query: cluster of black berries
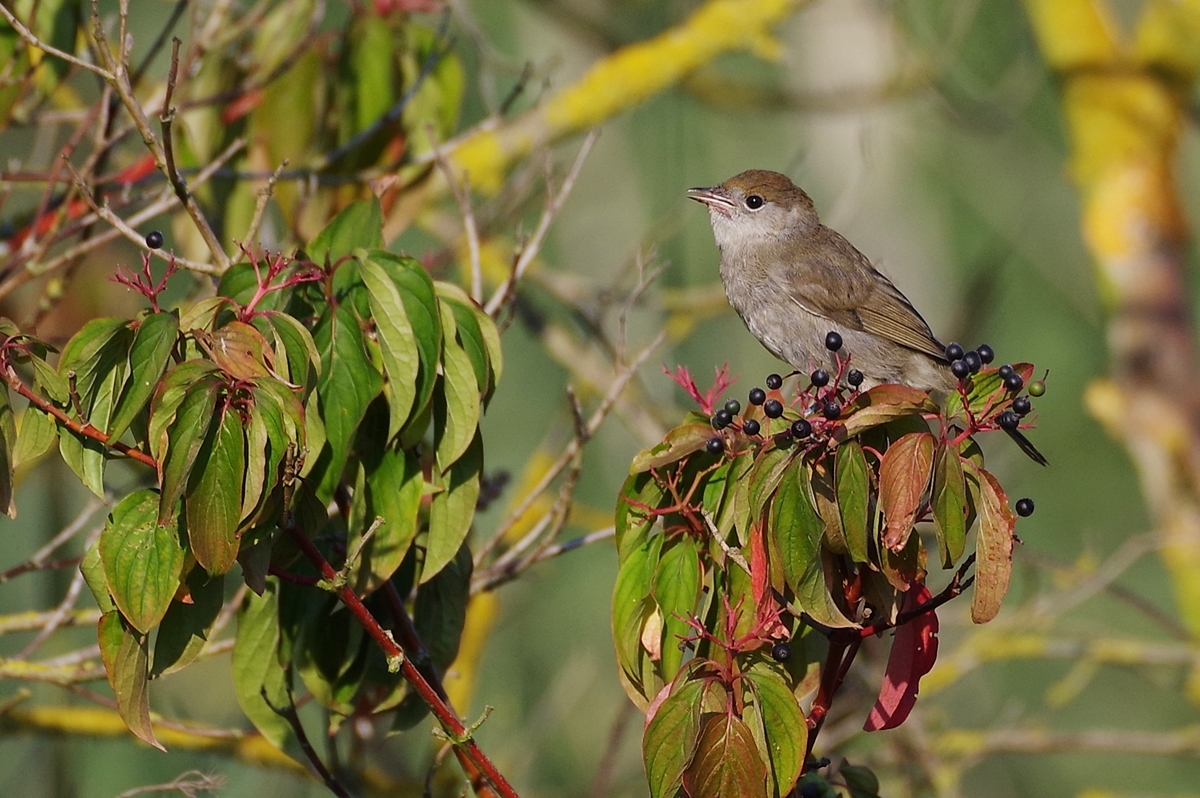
964, 364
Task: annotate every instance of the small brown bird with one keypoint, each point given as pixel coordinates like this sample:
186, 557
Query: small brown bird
793, 280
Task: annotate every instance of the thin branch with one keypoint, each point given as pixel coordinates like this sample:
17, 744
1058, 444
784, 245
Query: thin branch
289, 714
260, 204
620, 380
39, 557
531, 248
33, 41
462, 195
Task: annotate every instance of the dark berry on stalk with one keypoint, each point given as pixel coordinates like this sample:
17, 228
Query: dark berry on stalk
960, 369
986, 353
831, 410
1024, 507
757, 396
854, 377
773, 408
750, 426
1013, 382
973, 360
721, 419
801, 429
833, 341
774, 382
714, 446
1037, 388
1021, 405
820, 378
1008, 420
781, 652
154, 239
1004, 371
733, 406
954, 352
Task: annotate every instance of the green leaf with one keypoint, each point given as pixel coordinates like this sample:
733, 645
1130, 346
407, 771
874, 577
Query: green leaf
256, 664
629, 609
679, 443
127, 664
296, 344
39, 431
397, 342
794, 537
986, 391
853, 485
143, 561
391, 491
452, 510
185, 437
170, 395
91, 352
359, 225
440, 612
676, 589
8, 442
470, 335
784, 726
756, 488
670, 738
495, 353
214, 494
633, 522
993, 548
727, 763
185, 629
148, 359
348, 383
456, 408
904, 474
51, 383
85, 455
949, 503
93, 573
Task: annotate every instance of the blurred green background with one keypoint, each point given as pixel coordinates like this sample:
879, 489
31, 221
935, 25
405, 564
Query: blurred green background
930, 134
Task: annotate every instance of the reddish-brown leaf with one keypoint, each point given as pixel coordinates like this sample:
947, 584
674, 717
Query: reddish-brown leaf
914, 650
993, 548
903, 477
727, 763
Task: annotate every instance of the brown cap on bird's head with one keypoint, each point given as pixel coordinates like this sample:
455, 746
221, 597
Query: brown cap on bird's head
759, 189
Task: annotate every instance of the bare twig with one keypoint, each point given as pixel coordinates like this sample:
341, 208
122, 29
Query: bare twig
189, 784
33, 41
531, 248
40, 556
462, 195
620, 380
289, 714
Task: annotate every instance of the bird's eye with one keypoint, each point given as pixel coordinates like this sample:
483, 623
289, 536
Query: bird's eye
754, 202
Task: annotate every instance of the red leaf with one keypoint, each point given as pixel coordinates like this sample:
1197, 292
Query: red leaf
903, 475
914, 650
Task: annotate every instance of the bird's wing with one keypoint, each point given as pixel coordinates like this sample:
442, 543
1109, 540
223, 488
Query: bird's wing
853, 294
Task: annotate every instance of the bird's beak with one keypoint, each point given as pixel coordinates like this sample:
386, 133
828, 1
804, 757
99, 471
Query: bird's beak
714, 198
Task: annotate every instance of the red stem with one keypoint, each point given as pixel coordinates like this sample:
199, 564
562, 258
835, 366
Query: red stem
474, 761
79, 427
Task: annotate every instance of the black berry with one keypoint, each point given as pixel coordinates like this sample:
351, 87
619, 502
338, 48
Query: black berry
1021, 405
954, 352
811, 789
854, 377
721, 419
1037, 388
714, 446
820, 378
1004, 371
986, 353
757, 396
973, 360
833, 341
154, 239
960, 369
781, 652
1008, 420
774, 382
1024, 507
801, 429
750, 426
1013, 382
773, 408
733, 406
831, 410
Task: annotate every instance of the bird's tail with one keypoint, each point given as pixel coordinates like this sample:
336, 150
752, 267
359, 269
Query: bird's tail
1027, 446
